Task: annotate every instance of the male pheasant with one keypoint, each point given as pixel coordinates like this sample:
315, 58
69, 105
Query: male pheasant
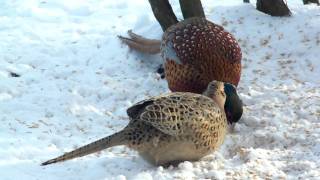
195, 52
169, 129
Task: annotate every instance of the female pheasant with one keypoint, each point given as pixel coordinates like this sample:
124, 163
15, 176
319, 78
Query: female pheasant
195, 52
169, 129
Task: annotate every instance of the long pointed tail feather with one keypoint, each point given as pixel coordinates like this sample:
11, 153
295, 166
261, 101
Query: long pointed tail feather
113, 140
142, 39
140, 43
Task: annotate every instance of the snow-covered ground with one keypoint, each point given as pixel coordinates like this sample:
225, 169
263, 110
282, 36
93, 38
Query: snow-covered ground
75, 81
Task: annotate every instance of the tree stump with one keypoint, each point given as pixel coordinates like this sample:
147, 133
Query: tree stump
163, 13
191, 8
273, 7
311, 1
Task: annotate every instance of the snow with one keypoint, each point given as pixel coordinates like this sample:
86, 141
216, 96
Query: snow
75, 80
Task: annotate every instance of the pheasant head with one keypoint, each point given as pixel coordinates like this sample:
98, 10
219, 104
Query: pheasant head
225, 95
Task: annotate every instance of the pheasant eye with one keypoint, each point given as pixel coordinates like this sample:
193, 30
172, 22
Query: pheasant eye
212, 85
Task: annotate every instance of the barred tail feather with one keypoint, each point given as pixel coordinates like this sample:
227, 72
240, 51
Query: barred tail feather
93, 147
140, 43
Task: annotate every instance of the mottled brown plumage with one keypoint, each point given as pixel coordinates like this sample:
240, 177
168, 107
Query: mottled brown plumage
195, 51
170, 128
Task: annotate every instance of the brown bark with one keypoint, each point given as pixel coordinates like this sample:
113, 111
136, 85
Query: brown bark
163, 12
273, 7
191, 8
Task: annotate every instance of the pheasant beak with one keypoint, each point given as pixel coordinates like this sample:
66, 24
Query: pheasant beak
231, 128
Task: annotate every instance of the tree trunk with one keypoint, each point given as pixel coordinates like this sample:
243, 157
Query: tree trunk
191, 8
163, 12
273, 7
311, 1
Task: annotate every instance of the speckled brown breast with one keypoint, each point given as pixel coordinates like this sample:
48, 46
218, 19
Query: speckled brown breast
196, 51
